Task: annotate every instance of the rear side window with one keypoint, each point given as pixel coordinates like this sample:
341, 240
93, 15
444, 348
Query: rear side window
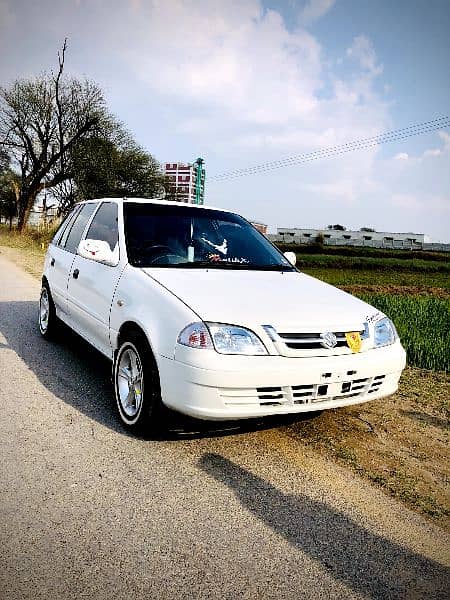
104, 225
64, 225
72, 235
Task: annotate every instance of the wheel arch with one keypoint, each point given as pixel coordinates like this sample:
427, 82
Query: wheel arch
132, 328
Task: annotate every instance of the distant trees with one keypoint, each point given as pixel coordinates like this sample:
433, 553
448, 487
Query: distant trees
105, 167
8, 196
337, 227
57, 133
9, 189
319, 240
368, 229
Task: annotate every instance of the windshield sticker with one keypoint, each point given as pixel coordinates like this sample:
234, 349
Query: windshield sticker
232, 260
223, 248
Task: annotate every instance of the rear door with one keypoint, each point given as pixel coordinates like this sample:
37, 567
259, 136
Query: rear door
61, 254
91, 284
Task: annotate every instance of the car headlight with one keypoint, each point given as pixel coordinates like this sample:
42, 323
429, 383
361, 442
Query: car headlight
384, 333
226, 339
231, 339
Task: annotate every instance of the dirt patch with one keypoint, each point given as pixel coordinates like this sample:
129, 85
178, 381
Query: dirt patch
400, 290
400, 443
30, 260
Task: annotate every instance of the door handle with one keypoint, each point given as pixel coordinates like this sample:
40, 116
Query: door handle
75, 274
52, 262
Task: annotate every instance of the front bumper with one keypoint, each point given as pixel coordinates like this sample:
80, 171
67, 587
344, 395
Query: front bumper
246, 387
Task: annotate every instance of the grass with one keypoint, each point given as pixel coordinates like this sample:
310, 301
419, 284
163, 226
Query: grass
423, 324
27, 250
32, 238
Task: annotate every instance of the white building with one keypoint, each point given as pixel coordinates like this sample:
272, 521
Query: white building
336, 237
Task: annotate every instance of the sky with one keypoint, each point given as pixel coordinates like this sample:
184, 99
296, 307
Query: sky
245, 82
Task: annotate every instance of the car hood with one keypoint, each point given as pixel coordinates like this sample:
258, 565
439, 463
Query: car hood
289, 301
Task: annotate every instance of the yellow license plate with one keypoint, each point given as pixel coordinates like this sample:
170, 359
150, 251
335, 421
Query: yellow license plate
353, 340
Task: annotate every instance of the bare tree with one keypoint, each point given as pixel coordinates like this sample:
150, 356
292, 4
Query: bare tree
41, 120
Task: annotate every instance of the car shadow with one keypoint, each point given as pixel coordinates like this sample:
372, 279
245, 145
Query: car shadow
78, 374
371, 565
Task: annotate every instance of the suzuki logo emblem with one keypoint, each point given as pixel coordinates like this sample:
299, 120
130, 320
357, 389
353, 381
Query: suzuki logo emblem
328, 339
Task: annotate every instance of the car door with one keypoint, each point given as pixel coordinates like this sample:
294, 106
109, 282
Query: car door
61, 254
91, 284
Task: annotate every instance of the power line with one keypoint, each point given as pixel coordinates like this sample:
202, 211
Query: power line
336, 150
384, 138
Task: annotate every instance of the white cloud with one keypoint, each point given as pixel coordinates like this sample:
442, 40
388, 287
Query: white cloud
315, 9
245, 79
363, 52
446, 138
432, 152
232, 56
401, 156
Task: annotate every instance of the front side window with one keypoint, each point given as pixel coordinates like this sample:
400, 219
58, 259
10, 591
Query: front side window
75, 231
183, 236
104, 225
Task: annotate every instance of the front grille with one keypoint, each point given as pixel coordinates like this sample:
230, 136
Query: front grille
311, 341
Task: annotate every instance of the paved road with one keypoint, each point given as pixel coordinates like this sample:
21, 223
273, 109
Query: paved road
87, 511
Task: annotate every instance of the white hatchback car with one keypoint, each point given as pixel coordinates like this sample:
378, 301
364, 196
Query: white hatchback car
200, 312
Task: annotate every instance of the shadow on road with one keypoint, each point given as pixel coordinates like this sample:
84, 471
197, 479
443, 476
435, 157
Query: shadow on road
75, 372
371, 565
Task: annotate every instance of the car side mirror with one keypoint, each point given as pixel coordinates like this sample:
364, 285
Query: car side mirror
99, 251
292, 257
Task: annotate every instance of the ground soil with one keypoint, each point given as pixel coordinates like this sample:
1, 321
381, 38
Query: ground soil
400, 443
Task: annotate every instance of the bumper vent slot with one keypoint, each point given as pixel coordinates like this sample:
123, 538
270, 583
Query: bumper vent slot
376, 383
271, 396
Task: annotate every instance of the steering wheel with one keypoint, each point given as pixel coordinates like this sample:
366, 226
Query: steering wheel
158, 248
164, 255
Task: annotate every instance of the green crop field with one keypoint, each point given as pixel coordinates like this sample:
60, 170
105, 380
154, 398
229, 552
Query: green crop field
364, 263
345, 277
423, 324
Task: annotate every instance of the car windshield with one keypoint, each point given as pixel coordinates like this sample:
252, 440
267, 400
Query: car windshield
161, 235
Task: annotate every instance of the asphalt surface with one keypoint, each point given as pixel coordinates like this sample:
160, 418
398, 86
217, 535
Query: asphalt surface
88, 511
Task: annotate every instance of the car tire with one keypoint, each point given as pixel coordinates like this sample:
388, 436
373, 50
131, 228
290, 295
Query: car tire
47, 319
136, 386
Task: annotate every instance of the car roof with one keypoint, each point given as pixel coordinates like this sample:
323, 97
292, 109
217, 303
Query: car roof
153, 201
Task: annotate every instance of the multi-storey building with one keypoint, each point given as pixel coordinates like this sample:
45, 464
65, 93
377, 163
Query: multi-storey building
262, 227
186, 182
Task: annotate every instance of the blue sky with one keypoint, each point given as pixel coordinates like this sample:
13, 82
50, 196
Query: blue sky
243, 82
